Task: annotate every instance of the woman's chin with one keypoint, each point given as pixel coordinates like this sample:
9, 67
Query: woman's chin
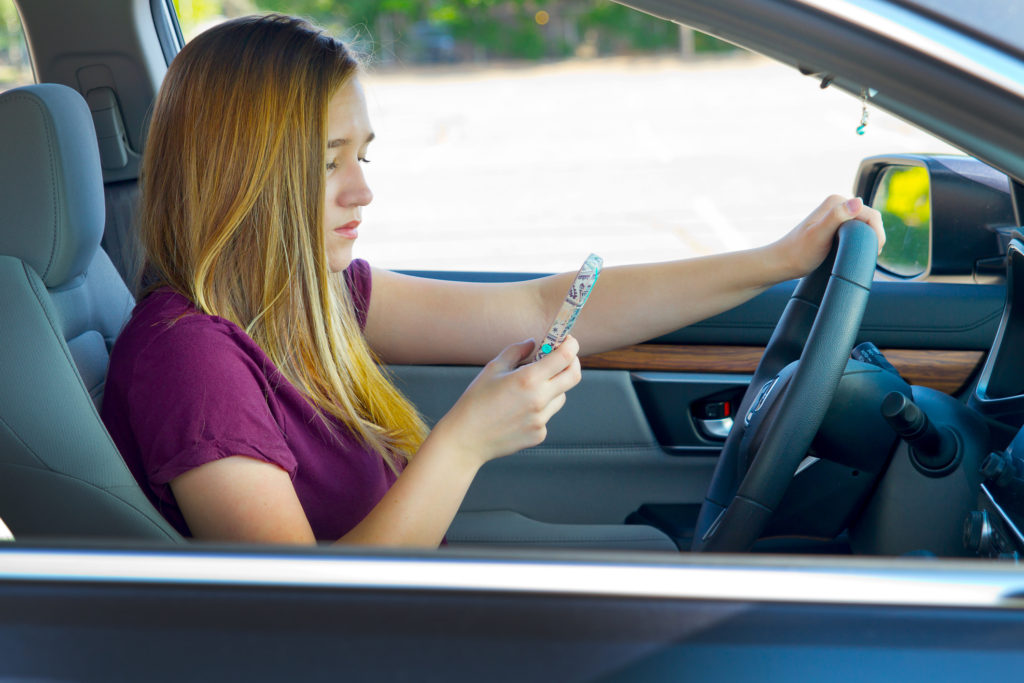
338, 261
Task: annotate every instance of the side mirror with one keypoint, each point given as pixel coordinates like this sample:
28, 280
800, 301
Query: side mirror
944, 215
903, 196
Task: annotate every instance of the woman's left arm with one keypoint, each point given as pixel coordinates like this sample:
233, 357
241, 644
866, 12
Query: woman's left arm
413, 320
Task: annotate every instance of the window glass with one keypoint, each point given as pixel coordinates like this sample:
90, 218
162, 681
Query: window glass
636, 159
15, 68
611, 132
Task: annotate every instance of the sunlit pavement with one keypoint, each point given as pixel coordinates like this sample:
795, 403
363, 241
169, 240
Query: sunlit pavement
533, 167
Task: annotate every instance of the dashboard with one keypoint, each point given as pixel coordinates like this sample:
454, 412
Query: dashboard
994, 530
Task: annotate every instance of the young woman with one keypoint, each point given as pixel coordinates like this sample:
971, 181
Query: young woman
245, 392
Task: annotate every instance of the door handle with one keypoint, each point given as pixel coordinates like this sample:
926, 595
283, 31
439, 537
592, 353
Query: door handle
717, 430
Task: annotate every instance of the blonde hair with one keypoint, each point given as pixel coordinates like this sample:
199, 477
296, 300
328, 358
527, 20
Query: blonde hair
233, 182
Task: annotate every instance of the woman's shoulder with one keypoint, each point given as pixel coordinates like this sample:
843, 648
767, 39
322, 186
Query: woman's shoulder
165, 311
160, 304
166, 324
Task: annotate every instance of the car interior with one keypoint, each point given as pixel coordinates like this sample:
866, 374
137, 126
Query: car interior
641, 459
911, 457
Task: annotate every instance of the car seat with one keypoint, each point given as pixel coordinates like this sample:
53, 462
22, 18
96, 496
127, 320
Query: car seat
62, 304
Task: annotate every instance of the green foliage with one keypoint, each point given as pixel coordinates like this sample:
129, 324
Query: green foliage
621, 29
480, 28
192, 13
10, 25
14, 66
706, 43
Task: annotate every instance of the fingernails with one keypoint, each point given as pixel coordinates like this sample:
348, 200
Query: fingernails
853, 206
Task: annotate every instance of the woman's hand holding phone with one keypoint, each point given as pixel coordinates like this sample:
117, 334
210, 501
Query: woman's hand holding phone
507, 407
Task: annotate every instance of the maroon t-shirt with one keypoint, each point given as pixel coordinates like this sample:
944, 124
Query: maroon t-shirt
185, 388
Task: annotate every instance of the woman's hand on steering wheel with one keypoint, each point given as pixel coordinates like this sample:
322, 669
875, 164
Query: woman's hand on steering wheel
793, 385
803, 248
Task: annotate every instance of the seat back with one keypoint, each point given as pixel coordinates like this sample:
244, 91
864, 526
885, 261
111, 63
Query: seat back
62, 304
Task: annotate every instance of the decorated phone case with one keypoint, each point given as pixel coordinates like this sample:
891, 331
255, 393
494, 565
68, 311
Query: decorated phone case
579, 292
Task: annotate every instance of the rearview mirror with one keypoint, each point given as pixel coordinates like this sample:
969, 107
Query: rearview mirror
947, 216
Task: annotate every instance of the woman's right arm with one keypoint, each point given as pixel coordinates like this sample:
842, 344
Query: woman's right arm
504, 410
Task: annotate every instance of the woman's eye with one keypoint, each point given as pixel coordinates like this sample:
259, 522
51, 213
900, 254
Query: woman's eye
333, 165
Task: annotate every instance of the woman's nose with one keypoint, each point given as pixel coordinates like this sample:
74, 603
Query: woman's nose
355, 191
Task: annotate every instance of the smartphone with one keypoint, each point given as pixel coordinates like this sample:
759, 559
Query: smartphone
579, 292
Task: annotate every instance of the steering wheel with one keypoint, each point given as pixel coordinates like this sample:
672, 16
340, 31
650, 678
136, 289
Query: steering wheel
789, 395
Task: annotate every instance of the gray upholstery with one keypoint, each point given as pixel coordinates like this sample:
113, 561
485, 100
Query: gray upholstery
599, 463
509, 528
62, 305
52, 204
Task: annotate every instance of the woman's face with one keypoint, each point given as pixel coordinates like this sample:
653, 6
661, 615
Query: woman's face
348, 135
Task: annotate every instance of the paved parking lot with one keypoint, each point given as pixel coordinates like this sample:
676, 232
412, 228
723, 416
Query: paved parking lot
637, 159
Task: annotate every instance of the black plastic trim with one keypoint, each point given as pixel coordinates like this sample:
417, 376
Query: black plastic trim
907, 315
1000, 390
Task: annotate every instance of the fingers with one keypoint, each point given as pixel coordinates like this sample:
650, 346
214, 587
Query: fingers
873, 218
560, 384
506, 408
559, 359
567, 378
856, 209
552, 376
561, 373
849, 209
837, 209
824, 211
512, 355
552, 407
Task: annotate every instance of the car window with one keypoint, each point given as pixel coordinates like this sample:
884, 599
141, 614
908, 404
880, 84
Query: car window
15, 68
637, 159
531, 164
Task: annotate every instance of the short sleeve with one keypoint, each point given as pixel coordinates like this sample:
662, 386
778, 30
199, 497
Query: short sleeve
199, 393
360, 283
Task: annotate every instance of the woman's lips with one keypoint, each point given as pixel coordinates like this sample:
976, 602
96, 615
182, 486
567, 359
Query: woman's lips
350, 230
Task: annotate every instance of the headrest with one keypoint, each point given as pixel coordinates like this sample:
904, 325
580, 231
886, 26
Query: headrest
51, 182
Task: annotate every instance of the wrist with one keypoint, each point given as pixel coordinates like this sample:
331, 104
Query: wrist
773, 263
445, 444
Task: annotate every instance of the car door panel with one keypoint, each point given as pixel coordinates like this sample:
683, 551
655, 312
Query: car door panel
599, 463
630, 434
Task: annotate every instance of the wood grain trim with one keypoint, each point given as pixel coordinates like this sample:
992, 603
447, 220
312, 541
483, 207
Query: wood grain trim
946, 371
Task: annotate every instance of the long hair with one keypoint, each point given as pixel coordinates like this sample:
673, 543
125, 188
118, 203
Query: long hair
231, 213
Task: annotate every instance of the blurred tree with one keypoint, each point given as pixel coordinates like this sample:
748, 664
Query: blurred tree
10, 32
197, 11
433, 30
618, 29
195, 15
14, 67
